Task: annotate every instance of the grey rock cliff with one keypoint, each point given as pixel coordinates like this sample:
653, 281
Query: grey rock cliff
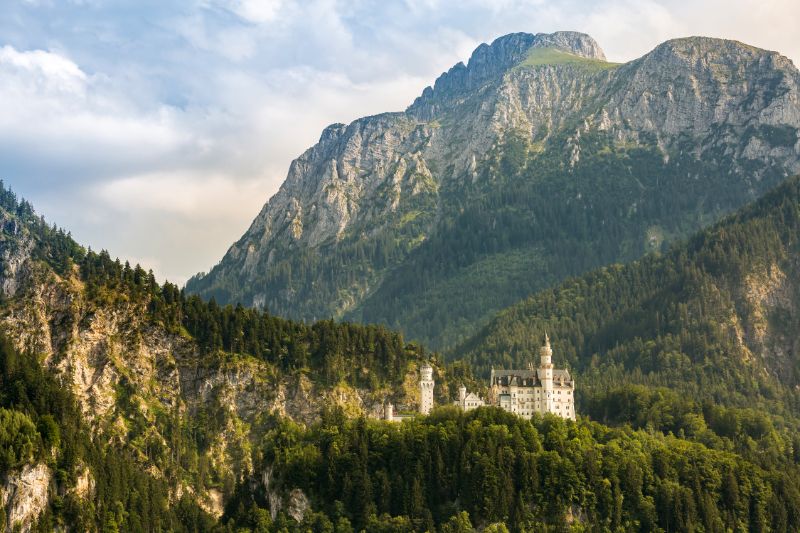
24, 495
355, 206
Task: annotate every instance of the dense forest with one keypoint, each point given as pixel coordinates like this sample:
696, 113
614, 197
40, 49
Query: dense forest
714, 317
329, 353
454, 471
642, 457
533, 219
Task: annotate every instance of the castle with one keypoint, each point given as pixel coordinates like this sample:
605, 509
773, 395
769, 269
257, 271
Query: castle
425, 389
541, 389
535, 390
426, 385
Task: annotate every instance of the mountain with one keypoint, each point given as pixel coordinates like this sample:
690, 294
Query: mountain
113, 387
128, 406
713, 319
690, 355
536, 161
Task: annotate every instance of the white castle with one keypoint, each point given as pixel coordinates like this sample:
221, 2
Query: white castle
536, 390
541, 389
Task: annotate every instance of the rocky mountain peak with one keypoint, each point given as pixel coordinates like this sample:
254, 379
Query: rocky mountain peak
332, 132
490, 61
368, 214
703, 50
508, 50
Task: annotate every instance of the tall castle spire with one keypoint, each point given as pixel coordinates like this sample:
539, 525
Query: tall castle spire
546, 374
546, 352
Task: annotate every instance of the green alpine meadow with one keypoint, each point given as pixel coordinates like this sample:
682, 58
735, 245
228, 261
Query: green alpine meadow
559, 292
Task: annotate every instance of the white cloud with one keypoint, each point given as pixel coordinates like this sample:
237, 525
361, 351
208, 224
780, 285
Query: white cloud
41, 71
258, 11
179, 193
158, 129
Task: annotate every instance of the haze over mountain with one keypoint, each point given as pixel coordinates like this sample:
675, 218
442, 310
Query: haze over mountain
535, 161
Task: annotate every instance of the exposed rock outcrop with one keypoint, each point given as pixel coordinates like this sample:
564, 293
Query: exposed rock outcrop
357, 206
298, 505
24, 495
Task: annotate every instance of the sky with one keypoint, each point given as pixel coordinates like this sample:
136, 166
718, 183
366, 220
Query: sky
157, 129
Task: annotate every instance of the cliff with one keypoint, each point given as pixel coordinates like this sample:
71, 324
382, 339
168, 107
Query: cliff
388, 219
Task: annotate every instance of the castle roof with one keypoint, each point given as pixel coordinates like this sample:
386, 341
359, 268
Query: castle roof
527, 378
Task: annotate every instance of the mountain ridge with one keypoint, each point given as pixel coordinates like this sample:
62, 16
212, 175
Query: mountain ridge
384, 193
723, 302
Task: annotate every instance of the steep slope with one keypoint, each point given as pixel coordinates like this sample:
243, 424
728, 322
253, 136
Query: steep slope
714, 319
127, 406
173, 391
535, 161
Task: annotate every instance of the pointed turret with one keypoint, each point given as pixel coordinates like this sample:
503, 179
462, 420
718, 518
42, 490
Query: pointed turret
546, 352
546, 374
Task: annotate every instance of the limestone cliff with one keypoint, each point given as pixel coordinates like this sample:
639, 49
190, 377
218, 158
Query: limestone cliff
24, 495
138, 385
370, 222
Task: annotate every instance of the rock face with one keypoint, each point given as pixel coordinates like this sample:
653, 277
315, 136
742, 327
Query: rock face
490, 62
24, 495
16, 250
370, 222
298, 505
127, 372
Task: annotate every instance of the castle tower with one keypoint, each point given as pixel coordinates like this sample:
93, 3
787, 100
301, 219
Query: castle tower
425, 389
462, 397
546, 375
388, 411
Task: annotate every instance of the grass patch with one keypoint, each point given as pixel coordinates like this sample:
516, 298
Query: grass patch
554, 56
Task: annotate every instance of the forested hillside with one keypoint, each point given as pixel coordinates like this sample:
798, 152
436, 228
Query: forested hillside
535, 161
714, 318
689, 358
452, 472
126, 404
129, 406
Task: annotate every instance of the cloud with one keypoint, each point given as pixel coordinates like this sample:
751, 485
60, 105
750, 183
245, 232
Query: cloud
256, 11
42, 71
158, 128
